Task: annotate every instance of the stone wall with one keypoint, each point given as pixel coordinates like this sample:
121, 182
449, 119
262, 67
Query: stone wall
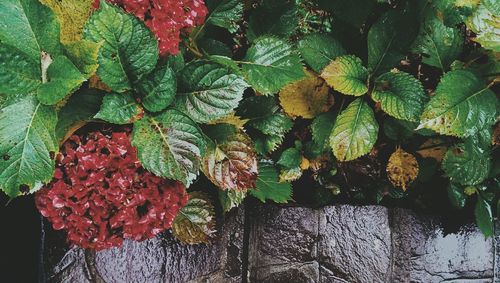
269, 243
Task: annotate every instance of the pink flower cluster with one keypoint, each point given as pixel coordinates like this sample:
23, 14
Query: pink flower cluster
101, 195
166, 18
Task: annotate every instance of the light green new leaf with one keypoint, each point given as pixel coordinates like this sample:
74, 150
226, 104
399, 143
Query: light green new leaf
400, 95
225, 13
119, 108
467, 163
169, 145
486, 26
270, 64
18, 73
347, 75
318, 50
129, 49
63, 79
439, 45
29, 27
460, 107
355, 131
158, 89
484, 216
27, 145
269, 188
208, 91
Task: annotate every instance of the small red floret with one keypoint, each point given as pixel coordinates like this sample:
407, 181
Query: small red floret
168, 19
101, 195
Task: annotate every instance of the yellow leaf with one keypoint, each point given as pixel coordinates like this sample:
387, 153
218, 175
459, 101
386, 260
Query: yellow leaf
306, 98
231, 119
402, 168
72, 15
83, 54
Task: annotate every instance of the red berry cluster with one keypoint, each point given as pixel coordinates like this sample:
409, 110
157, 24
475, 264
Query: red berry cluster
100, 194
166, 18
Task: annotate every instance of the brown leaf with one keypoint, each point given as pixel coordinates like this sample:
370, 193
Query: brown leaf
306, 98
432, 148
195, 222
402, 168
95, 82
232, 164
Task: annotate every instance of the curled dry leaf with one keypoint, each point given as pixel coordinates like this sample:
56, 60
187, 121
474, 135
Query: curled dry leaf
232, 164
402, 168
195, 222
307, 97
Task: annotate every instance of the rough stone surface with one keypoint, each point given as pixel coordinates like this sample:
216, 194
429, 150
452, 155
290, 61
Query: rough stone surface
161, 259
270, 243
422, 253
355, 243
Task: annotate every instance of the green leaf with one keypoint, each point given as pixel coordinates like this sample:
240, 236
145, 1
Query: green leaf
318, 50
280, 20
290, 158
27, 145
63, 79
486, 26
389, 39
270, 64
439, 45
29, 27
456, 196
169, 145
264, 115
19, 73
453, 12
83, 54
400, 95
347, 75
353, 12
492, 5
208, 91
268, 187
355, 131
467, 163
460, 107
195, 222
321, 128
119, 108
265, 144
158, 89
225, 13
129, 49
231, 199
214, 47
484, 216
80, 109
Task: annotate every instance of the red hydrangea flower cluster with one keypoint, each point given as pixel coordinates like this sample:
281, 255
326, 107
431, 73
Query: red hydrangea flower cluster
166, 18
100, 194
